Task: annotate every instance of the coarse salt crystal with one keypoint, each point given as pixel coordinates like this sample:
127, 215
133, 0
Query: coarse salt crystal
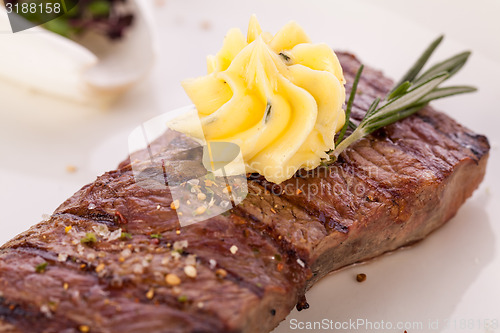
179, 245
138, 269
233, 249
301, 263
190, 271
175, 255
114, 235
80, 249
126, 253
101, 230
165, 260
191, 260
62, 257
46, 311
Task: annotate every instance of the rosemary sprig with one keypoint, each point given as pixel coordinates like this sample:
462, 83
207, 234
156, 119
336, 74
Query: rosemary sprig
409, 95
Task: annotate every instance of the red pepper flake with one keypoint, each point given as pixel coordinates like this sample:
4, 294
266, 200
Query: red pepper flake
299, 191
120, 218
221, 273
279, 267
150, 294
84, 328
209, 182
70, 168
272, 210
175, 205
100, 268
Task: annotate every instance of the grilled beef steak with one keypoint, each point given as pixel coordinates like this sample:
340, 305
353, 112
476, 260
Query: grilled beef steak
74, 273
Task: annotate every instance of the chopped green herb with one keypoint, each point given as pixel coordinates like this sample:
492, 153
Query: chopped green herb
277, 257
267, 113
209, 192
285, 57
89, 238
157, 236
182, 298
210, 176
125, 236
100, 8
60, 26
40, 268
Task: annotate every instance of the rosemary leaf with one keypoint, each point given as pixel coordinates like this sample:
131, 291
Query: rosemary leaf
447, 91
375, 125
371, 109
352, 125
450, 65
420, 63
408, 99
349, 104
399, 91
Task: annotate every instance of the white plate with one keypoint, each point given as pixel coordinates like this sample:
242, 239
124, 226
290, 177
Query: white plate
447, 283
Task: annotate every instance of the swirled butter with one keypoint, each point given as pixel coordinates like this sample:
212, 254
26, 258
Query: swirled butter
278, 97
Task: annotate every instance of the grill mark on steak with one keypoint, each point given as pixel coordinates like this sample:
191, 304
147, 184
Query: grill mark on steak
406, 172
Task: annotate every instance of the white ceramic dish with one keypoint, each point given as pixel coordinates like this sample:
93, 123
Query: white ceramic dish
448, 282
93, 70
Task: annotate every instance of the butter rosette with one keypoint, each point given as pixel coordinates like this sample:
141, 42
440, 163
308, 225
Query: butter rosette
278, 97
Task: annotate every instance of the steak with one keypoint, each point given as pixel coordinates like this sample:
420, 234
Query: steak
77, 271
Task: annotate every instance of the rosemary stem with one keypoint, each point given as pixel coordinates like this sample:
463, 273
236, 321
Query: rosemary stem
358, 133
